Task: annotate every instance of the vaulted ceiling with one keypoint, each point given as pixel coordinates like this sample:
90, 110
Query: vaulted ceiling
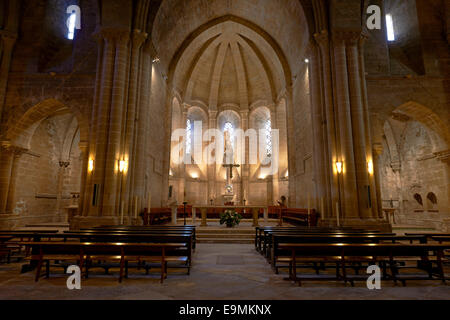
229, 65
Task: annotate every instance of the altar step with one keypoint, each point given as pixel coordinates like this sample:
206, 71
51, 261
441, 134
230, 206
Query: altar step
225, 235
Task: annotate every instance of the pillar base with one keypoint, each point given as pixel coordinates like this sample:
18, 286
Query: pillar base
89, 222
446, 225
369, 224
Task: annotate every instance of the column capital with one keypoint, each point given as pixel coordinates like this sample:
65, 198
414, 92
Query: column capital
322, 38
6, 146
138, 38
113, 35
348, 37
377, 149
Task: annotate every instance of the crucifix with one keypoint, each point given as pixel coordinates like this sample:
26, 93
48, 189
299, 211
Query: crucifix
229, 167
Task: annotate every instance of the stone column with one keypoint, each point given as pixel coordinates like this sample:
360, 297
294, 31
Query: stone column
276, 176
6, 163
358, 125
348, 183
132, 184
211, 167
113, 153
143, 117
182, 166
85, 175
8, 41
63, 165
377, 151
16, 154
329, 131
245, 165
101, 126
318, 124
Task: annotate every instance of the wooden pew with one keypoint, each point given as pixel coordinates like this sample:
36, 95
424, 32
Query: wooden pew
300, 217
84, 253
343, 253
274, 251
4, 250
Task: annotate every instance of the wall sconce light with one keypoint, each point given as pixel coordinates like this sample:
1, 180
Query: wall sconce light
370, 167
262, 177
170, 173
155, 60
91, 165
287, 174
339, 167
306, 60
194, 175
123, 166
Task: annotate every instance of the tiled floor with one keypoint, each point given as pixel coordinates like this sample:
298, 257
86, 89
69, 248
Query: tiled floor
220, 271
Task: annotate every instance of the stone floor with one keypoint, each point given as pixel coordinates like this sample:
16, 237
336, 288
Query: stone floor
220, 271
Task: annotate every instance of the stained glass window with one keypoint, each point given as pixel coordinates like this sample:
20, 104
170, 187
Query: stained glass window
188, 136
268, 130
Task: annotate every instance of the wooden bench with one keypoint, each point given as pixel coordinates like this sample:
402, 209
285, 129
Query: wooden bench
274, 251
85, 253
299, 216
341, 254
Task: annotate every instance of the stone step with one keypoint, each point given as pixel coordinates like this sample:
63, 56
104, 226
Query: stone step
225, 231
230, 235
224, 240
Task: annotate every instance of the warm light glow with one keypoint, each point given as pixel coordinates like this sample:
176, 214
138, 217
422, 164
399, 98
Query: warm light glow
390, 28
306, 60
170, 172
339, 167
287, 174
262, 177
123, 166
156, 60
91, 165
194, 175
370, 167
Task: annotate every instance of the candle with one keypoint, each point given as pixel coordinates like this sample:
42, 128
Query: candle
121, 212
337, 214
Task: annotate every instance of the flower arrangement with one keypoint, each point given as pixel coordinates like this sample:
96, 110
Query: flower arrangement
231, 218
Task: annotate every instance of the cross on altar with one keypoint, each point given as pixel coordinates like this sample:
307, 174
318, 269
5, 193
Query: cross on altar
230, 169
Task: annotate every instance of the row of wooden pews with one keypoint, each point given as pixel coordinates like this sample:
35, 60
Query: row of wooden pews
108, 247
401, 258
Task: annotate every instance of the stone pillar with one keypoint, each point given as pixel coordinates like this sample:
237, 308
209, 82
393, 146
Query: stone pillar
6, 164
318, 124
182, 166
377, 151
16, 154
143, 117
245, 165
359, 128
101, 126
85, 174
132, 184
113, 153
211, 166
276, 176
8, 40
347, 179
329, 132
63, 165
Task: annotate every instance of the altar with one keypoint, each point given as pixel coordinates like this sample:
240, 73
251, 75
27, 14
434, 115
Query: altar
204, 212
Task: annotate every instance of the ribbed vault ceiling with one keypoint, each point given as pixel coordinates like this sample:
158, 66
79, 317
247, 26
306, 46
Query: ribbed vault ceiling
229, 65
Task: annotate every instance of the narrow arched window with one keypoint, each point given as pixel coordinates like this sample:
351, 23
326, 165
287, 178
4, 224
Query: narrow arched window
188, 136
390, 28
71, 23
230, 129
268, 133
